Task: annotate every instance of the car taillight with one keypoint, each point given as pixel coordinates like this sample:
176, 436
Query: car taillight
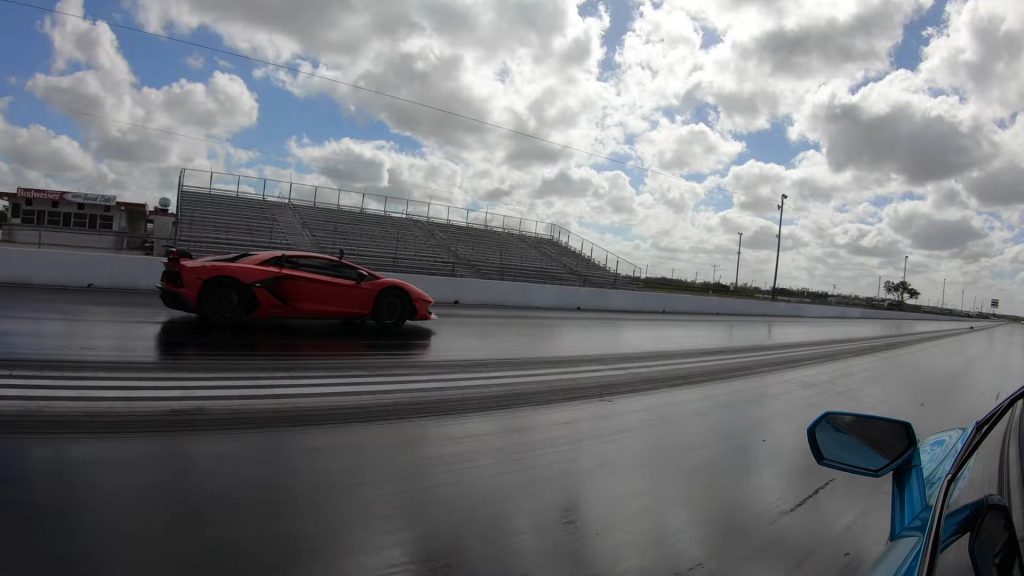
171, 278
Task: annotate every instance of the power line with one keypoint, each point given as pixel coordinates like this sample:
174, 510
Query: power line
346, 84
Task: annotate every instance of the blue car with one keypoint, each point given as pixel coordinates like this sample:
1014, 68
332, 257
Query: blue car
957, 496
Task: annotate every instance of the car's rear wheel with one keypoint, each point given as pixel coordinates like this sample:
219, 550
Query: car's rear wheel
223, 303
391, 309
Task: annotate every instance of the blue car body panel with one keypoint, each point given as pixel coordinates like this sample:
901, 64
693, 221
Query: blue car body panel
914, 490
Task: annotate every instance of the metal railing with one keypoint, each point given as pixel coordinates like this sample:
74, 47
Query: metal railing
297, 193
101, 241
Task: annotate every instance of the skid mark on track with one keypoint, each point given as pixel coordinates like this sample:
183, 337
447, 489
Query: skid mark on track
807, 498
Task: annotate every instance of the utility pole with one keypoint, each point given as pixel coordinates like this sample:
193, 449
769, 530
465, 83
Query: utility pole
739, 250
943, 303
714, 271
879, 295
697, 275
905, 258
962, 290
833, 289
778, 247
974, 304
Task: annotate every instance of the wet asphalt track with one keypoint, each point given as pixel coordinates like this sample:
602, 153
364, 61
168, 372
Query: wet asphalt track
712, 477
50, 325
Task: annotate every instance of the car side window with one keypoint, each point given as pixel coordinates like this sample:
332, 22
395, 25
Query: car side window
322, 266
984, 511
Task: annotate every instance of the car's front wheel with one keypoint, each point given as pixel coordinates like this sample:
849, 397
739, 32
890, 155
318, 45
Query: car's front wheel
391, 309
223, 303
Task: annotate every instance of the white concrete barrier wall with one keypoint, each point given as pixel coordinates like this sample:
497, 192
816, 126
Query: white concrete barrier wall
43, 267
491, 292
71, 269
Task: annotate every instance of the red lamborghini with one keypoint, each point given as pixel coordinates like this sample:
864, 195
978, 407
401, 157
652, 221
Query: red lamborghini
225, 289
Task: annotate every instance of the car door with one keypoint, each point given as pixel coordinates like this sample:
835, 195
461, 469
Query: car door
984, 505
320, 286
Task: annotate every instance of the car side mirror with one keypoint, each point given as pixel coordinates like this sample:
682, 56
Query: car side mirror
361, 276
860, 443
993, 545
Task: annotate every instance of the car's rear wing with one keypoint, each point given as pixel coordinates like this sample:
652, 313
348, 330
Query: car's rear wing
175, 255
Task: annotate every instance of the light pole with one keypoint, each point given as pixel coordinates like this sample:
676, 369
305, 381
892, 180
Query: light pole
739, 250
974, 304
905, 258
943, 303
778, 247
879, 295
962, 290
714, 271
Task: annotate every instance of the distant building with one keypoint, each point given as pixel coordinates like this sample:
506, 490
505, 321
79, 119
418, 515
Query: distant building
81, 220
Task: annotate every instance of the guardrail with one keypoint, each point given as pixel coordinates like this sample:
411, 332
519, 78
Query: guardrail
213, 182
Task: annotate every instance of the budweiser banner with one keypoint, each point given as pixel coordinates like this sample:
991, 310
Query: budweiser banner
82, 197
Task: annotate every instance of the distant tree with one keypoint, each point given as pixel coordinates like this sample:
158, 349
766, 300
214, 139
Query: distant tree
901, 291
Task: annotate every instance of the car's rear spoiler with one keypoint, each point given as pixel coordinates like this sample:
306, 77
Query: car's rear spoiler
178, 254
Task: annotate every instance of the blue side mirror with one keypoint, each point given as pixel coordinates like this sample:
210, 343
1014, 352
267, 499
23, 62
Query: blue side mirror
860, 443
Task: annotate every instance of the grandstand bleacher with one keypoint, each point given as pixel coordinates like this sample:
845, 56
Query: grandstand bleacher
215, 221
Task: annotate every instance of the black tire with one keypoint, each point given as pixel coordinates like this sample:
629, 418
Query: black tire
223, 303
391, 309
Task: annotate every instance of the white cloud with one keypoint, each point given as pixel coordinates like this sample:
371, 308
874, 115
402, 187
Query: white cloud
772, 54
44, 151
935, 228
1001, 185
379, 166
531, 66
980, 54
686, 149
894, 126
195, 61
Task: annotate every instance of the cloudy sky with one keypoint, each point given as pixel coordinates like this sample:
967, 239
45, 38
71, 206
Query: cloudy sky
891, 124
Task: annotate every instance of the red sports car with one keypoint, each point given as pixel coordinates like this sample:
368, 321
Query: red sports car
225, 289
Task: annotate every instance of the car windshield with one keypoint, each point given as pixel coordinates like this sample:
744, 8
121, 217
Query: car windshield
508, 287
